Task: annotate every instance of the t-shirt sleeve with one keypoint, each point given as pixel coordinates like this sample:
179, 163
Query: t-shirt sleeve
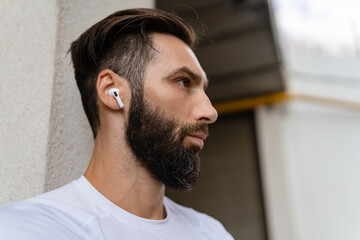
35, 222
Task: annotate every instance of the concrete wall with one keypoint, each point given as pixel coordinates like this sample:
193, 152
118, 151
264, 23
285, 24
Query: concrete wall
27, 53
45, 137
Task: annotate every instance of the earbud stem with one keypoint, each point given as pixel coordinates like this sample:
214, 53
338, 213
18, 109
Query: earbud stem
121, 105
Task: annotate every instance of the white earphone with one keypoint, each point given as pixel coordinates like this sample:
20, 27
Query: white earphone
115, 93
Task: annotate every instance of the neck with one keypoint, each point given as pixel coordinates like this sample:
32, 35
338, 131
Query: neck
116, 174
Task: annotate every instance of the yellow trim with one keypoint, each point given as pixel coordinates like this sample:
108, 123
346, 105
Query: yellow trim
250, 103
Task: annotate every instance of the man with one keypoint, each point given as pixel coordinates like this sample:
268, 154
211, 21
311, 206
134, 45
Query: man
142, 89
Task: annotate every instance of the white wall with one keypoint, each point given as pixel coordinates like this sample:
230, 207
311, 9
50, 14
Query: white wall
310, 159
45, 138
310, 151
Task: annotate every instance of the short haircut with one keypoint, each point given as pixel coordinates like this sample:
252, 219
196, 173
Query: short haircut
122, 43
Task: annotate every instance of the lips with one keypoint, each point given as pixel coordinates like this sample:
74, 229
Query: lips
202, 136
198, 138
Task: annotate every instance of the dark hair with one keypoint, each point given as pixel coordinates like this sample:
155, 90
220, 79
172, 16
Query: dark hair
122, 43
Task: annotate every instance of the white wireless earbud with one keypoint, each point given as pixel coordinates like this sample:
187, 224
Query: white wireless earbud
115, 93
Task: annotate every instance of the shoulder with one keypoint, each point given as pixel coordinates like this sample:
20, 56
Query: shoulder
58, 214
30, 220
197, 220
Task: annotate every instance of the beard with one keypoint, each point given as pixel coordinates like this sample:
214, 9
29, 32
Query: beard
158, 145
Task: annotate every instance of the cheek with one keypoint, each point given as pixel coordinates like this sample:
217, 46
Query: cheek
176, 106
172, 101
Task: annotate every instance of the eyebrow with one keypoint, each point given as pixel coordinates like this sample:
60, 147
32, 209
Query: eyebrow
196, 77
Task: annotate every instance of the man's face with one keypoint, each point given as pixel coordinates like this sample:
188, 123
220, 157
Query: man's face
168, 120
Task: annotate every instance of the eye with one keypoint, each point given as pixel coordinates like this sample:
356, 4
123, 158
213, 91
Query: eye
183, 81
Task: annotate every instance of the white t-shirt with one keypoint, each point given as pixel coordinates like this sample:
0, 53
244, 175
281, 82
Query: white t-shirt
78, 211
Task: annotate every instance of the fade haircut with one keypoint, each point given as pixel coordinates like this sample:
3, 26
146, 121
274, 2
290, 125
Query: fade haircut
122, 43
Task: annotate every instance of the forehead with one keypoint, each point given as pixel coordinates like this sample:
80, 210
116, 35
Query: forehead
172, 54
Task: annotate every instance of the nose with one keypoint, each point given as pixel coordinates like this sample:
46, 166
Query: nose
205, 112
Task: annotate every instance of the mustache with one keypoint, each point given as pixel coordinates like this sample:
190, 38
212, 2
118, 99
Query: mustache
194, 128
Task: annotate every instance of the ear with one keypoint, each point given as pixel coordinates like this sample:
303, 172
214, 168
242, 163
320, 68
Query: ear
108, 79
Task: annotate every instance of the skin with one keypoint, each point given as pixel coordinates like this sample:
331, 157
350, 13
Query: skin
175, 83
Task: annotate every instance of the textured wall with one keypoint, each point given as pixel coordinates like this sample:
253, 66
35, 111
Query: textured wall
27, 53
45, 139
